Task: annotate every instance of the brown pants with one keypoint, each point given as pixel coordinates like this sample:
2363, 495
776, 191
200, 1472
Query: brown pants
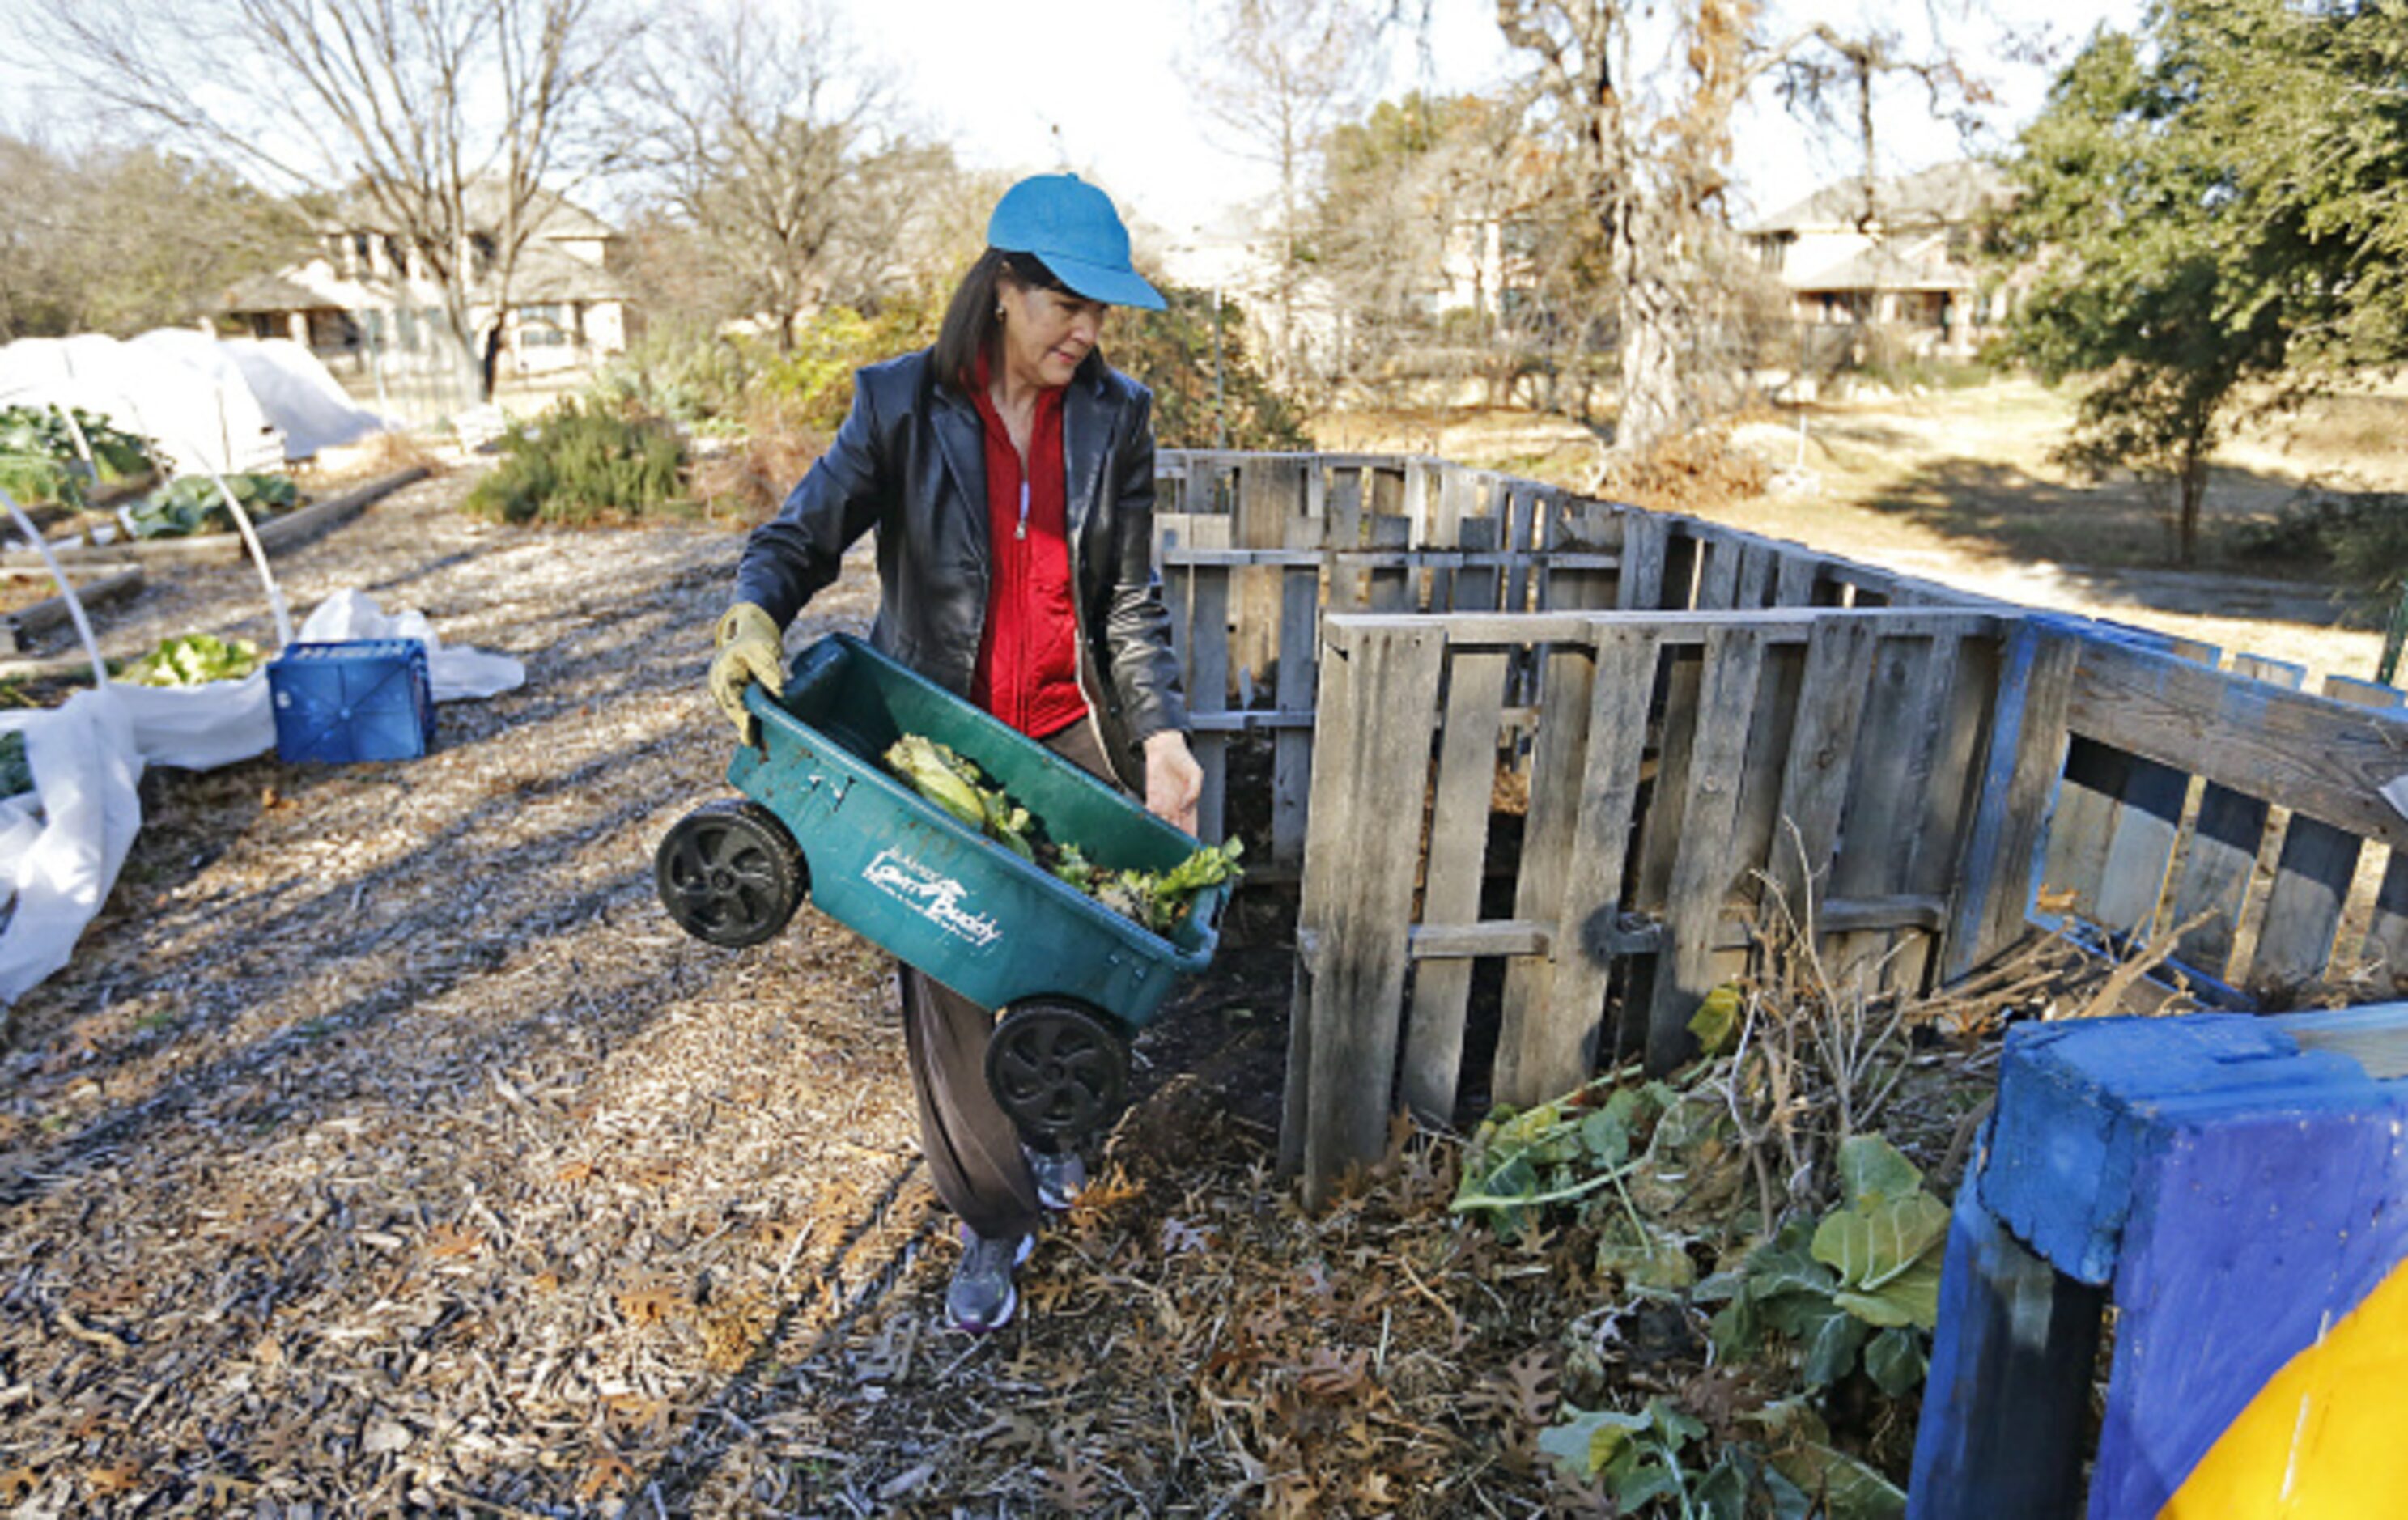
972, 1146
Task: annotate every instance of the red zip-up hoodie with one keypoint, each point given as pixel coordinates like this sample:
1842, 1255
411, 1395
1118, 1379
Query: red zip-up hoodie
1028, 671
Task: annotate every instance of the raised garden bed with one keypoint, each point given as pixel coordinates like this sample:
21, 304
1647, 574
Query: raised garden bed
283, 531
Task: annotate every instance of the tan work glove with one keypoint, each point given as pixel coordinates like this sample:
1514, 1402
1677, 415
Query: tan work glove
750, 649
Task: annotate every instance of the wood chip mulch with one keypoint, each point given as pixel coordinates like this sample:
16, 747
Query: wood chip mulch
386, 1150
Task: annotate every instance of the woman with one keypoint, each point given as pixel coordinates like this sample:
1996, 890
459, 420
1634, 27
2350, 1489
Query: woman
1008, 474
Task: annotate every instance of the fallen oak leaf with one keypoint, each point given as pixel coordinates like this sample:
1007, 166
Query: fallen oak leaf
1075, 1489
1328, 1375
445, 1242
605, 1474
116, 1478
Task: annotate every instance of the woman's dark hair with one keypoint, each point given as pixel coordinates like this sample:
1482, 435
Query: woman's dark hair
972, 326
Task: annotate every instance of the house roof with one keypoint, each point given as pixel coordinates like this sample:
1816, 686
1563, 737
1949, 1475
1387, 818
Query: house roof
1942, 196
1908, 264
549, 215
274, 293
546, 274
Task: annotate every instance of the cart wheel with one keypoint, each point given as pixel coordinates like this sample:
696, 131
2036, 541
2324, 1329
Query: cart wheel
730, 874
1060, 1071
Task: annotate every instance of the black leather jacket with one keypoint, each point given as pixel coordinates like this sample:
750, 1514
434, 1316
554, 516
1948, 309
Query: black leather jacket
911, 462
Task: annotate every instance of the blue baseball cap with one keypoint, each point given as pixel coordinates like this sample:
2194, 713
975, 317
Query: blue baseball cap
1071, 225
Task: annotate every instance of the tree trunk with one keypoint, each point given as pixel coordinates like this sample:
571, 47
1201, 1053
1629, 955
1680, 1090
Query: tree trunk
2192, 483
1651, 366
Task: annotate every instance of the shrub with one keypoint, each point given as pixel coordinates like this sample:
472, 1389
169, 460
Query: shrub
2362, 535
812, 385
694, 379
582, 466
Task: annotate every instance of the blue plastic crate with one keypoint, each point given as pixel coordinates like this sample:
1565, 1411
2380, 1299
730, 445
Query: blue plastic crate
367, 700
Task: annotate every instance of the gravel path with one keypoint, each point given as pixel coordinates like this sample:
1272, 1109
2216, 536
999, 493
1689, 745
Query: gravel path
385, 1147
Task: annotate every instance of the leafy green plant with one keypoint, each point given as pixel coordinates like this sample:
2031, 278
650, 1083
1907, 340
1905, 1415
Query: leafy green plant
193, 660
34, 479
16, 772
580, 466
1863, 1284
1521, 1161
43, 432
192, 504
1656, 1457
2363, 536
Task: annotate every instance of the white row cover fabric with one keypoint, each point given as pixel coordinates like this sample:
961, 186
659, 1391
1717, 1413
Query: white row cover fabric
63, 844
301, 395
226, 405
454, 671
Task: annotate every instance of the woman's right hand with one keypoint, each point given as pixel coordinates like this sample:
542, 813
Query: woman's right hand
749, 648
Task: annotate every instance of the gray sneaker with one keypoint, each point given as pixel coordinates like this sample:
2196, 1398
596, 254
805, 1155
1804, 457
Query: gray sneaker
982, 1298
1060, 1175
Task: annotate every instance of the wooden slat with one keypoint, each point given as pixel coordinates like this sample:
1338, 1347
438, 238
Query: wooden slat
2143, 831
1641, 584
1755, 568
1369, 775
1660, 838
1678, 592
1458, 854
1299, 675
1392, 588
1950, 799
1789, 625
2080, 824
1344, 530
1521, 540
1559, 1047
2026, 754
1718, 573
2314, 754
1904, 707
2312, 880
2384, 955
1796, 575
1474, 587
2221, 854
1208, 692
1814, 783
1704, 868
1771, 741
1466, 942
1558, 748
2001, 1431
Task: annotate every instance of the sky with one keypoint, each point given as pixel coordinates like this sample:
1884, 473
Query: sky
1097, 86
1100, 87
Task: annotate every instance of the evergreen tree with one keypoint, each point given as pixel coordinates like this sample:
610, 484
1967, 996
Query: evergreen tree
2215, 210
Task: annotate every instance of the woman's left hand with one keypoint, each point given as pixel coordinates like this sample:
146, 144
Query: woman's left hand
1173, 780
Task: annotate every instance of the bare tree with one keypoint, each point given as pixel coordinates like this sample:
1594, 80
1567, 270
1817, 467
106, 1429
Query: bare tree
756, 127
449, 124
100, 238
1644, 97
1279, 75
